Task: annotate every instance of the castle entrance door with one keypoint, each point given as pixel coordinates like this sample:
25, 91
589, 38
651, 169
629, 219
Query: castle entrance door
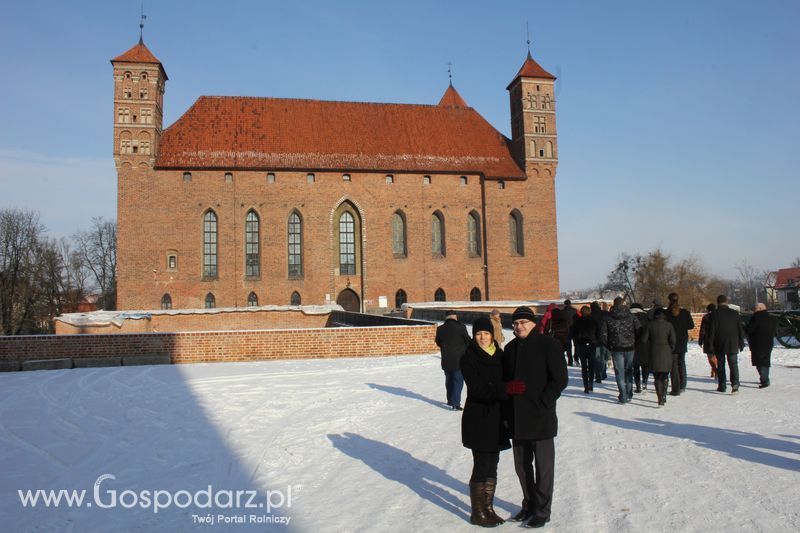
349, 300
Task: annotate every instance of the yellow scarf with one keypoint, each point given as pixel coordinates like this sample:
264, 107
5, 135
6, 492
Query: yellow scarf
490, 350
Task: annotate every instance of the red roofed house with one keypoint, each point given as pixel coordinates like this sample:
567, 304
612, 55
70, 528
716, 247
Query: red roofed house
258, 201
783, 287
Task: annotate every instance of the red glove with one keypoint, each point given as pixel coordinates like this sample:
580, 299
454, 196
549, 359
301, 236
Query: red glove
515, 386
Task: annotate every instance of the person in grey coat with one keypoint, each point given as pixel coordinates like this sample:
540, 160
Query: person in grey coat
452, 338
660, 340
726, 336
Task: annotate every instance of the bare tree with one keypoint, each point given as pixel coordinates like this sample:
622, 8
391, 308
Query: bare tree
748, 287
796, 263
98, 250
21, 247
621, 279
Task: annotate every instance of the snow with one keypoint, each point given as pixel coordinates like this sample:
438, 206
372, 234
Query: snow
366, 445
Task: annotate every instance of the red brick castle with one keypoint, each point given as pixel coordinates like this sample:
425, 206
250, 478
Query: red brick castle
258, 201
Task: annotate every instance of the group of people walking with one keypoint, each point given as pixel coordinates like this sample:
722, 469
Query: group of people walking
512, 391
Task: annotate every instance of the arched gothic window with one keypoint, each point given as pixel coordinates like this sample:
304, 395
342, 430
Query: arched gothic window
252, 245
437, 234
516, 237
166, 302
399, 234
474, 234
347, 244
295, 300
210, 245
211, 301
475, 295
439, 295
400, 298
295, 245
252, 300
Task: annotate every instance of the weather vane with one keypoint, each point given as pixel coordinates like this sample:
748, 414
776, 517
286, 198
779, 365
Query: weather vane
528, 33
450, 72
141, 24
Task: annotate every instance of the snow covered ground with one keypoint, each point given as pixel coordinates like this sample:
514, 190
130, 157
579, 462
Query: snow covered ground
366, 445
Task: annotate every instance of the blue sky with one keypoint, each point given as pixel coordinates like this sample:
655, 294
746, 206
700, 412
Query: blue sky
677, 121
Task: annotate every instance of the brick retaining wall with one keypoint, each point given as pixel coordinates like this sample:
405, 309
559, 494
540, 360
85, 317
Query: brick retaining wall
228, 346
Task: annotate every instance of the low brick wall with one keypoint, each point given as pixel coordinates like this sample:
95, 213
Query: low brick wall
228, 346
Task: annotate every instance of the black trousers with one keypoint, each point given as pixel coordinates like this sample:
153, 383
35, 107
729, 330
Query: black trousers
484, 466
763, 374
678, 374
660, 382
640, 373
534, 462
733, 361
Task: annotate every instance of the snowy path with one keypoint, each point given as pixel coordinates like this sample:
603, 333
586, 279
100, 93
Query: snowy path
365, 445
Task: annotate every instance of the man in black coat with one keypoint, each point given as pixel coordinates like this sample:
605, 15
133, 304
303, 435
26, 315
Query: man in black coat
726, 336
536, 373
452, 339
568, 314
761, 336
682, 322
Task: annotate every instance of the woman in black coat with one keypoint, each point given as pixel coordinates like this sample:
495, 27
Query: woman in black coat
704, 339
641, 354
660, 340
482, 428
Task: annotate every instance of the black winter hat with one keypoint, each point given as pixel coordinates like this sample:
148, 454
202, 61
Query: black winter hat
482, 324
523, 312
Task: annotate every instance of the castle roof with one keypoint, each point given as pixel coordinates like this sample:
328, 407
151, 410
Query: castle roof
452, 98
787, 277
139, 53
531, 69
294, 134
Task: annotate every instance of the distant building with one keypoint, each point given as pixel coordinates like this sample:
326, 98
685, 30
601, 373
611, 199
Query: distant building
782, 289
256, 201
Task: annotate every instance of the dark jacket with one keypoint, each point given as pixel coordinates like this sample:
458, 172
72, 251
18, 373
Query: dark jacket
726, 333
482, 427
599, 316
660, 339
569, 313
618, 330
704, 338
452, 338
761, 336
538, 361
584, 331
558, 328
683, 323
641, 353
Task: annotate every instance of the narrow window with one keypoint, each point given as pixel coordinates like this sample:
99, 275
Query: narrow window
310, 178
426, 180
166, 302
475, 295
210, 245
270, 177
252, 251
533, 148
252, 300
295, 300
210, 302
295, 245
540, 125
187, 176
389, 178
143, 93
501, 184
228, 177
515, 232
437, 234
172, 262
474, 234
143, 76
541, 153
548, 149
439, 295
345, 177
347, 244
463, 180
398, 234
400, 298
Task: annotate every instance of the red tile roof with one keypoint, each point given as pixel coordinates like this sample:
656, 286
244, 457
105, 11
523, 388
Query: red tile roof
531, 69
787, 277
452, 98
276, 133
139, 54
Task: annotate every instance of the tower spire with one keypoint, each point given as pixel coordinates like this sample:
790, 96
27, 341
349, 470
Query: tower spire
141, 24
450, 72
528, 33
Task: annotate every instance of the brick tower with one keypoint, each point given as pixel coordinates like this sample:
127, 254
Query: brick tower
535, 148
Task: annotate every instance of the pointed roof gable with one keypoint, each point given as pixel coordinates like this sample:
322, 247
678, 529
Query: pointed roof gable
292, 134
531, 69
139, 53
452, 98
